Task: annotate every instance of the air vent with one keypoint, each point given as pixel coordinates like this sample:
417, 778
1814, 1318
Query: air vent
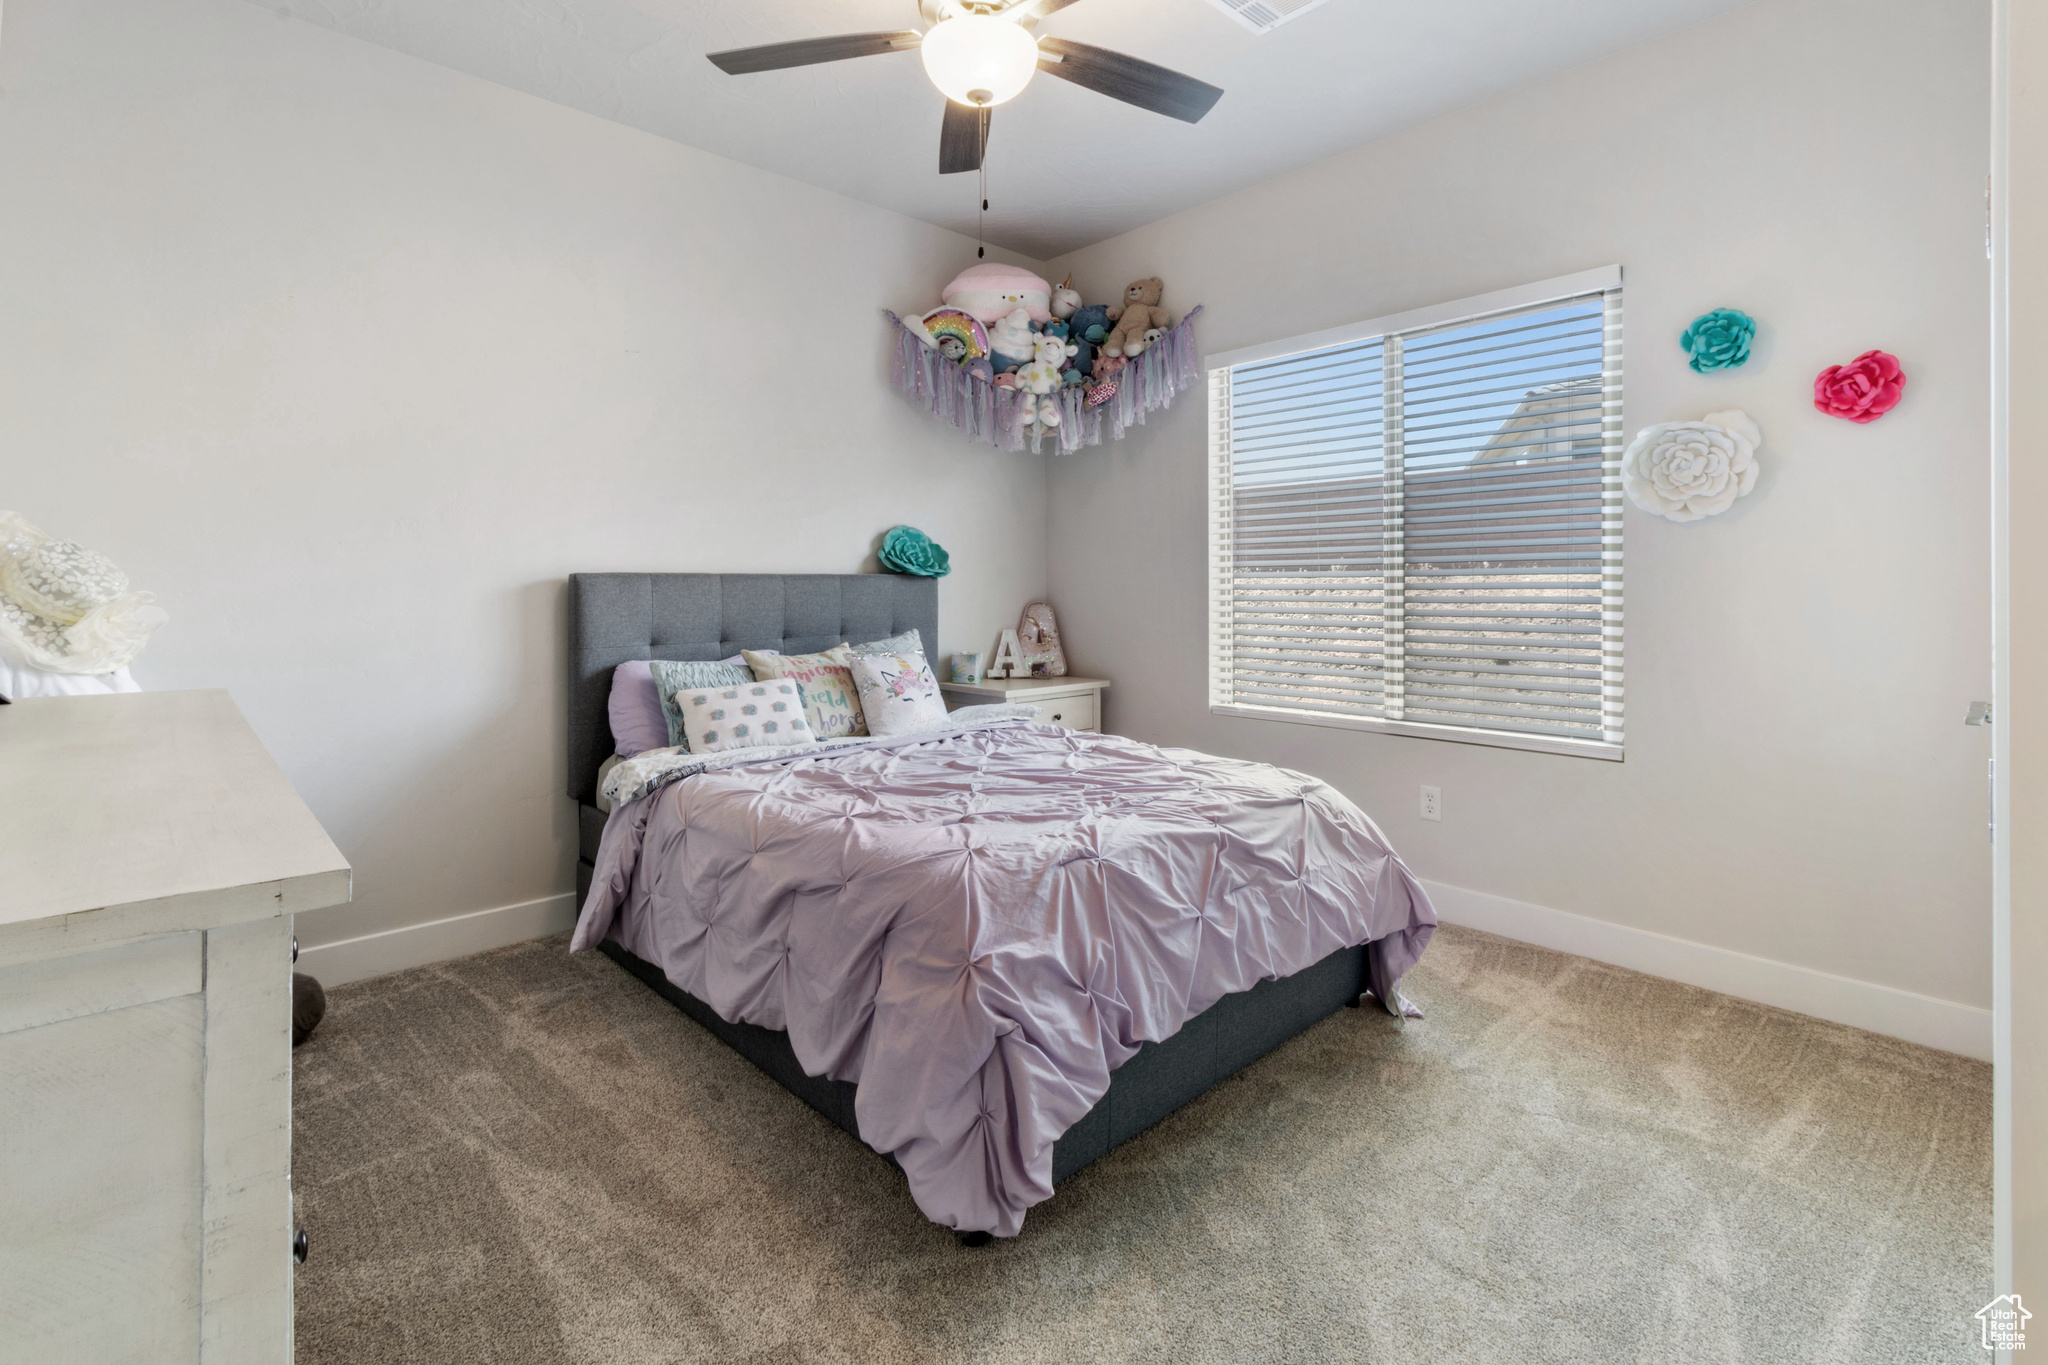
1263, 16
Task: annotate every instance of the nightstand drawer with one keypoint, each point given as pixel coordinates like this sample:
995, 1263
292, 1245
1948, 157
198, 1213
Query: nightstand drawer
1072, 703
1077, 712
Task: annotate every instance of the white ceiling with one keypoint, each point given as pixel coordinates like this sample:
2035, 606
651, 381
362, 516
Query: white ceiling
1066, 166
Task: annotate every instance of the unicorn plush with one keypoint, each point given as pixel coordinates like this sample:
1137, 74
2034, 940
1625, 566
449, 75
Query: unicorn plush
1066, 300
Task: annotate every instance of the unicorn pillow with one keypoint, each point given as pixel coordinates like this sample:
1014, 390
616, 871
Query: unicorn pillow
898, 693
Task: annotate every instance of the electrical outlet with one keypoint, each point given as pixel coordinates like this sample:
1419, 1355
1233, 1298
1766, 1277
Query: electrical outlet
1432, 803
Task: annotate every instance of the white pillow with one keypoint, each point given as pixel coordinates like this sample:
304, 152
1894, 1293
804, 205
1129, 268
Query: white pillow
897, 693
743, 716
909, 642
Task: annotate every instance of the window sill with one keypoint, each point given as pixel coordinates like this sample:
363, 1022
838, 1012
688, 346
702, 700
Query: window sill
1542, 744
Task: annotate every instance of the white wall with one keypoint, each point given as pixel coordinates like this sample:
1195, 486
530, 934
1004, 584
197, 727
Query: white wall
1799, 785
351, 359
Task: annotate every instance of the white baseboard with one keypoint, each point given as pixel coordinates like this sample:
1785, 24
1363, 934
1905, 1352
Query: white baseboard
1922, 1019
415, 945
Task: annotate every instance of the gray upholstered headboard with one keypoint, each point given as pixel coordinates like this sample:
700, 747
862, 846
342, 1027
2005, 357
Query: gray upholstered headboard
614, 617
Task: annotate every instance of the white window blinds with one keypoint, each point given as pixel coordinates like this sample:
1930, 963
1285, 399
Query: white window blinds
1418, 527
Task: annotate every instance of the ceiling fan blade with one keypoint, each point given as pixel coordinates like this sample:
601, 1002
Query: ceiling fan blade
1128, 79
962, 139
1035, 9
740, 61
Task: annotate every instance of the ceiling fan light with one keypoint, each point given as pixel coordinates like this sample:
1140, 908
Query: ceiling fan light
979, 58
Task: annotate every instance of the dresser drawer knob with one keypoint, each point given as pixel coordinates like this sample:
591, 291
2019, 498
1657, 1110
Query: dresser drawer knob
1056, 715
300, 1245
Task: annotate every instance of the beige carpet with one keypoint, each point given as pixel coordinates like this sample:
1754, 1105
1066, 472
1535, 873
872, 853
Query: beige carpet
524, 1156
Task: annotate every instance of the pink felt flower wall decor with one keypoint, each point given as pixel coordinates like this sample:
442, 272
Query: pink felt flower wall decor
1863, 390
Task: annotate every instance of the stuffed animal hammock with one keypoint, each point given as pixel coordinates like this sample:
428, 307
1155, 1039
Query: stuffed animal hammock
995, 415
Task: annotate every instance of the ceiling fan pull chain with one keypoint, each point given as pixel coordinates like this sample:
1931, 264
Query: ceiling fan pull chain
981, 167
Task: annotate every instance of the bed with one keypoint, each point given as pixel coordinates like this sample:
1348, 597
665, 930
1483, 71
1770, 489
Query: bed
1131, 925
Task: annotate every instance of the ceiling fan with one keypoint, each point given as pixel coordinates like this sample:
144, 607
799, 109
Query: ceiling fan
981, 53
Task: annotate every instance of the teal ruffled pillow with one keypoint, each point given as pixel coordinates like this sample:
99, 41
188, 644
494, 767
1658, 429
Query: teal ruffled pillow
672, 676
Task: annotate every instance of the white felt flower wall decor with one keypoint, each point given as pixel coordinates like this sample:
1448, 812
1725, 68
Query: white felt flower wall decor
1689, 470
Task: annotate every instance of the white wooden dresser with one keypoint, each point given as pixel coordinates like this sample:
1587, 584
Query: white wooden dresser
151, 859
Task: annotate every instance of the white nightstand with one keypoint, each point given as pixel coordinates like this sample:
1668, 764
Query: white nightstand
1071, 703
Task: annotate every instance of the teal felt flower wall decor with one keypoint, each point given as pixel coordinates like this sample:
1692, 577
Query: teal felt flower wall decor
908, 550
1719, 340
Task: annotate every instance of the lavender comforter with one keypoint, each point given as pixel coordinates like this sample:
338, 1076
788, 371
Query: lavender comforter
977, 927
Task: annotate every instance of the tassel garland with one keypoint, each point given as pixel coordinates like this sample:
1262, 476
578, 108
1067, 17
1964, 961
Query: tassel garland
990, 414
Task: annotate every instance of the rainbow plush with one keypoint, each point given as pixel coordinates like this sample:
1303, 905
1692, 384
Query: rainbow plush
951, 322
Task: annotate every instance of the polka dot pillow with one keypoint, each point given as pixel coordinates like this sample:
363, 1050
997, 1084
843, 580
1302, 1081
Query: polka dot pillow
746, 715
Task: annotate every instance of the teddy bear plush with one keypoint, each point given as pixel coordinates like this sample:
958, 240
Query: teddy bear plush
1038, 381
1138, 314
1089, 328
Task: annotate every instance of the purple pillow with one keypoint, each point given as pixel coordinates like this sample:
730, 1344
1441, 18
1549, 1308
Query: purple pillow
638, 722
637, 719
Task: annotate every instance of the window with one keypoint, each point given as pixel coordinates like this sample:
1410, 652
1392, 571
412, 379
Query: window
1416, 522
